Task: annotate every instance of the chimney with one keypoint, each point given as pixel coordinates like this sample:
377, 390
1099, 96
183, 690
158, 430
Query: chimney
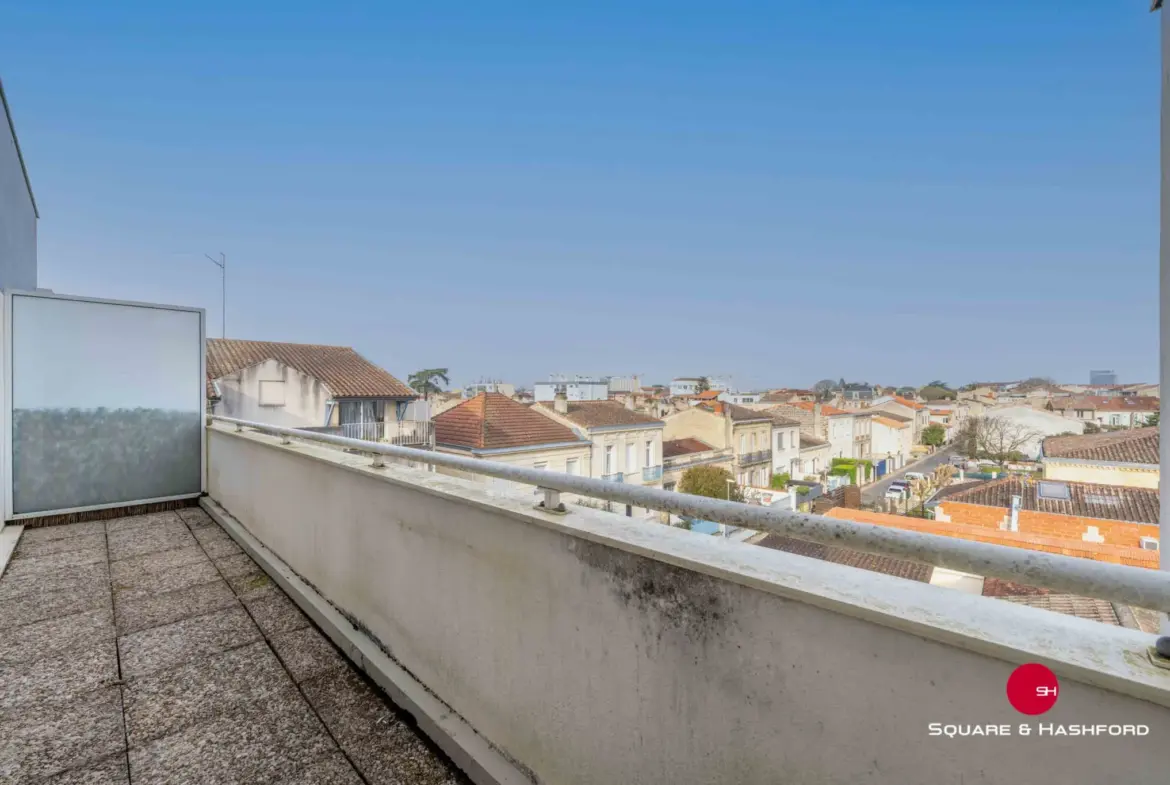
818, 421
560, 403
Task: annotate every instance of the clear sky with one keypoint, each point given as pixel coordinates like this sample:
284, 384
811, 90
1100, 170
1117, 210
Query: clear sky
888, 191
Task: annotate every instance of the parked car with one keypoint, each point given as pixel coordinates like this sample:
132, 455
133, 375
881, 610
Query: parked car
908, 476
958, 461
897, 490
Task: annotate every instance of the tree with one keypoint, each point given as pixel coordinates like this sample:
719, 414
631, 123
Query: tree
426, 381
824, 385
935, 392
710, 481
704, 384
1001, 439
1151, 421
934, 435
937, 383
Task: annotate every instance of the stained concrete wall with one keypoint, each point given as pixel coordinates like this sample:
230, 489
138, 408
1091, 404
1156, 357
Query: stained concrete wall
594, 649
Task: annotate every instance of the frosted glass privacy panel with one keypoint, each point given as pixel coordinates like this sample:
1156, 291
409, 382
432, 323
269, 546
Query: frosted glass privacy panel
106, 403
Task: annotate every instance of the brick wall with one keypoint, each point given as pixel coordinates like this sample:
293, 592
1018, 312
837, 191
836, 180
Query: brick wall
1046, 524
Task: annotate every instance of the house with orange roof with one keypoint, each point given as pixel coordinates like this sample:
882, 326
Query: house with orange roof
891, 440
493, 427
919, 413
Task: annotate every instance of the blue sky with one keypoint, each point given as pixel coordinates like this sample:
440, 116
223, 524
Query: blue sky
782, 191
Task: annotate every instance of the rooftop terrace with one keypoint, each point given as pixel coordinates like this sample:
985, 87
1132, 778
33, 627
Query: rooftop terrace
151, 649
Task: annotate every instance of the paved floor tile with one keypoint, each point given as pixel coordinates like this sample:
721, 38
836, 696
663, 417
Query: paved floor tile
49, 637
166, 701
263, 746
52, 563
59, 678
276, 613
195, 517
47, 533
307, 653
253, 585
216, 542
137, 521
142, 540
156, 610
383, 748
197, 637
108, 771
31, 608
58, 579
135, 584
236, 564
29, 548
142, 568
334, 770
40, 741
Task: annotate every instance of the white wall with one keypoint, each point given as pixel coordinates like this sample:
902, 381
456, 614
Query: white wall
1046, 423
594, 649
304, 396
840, 436
782, 457
18, 221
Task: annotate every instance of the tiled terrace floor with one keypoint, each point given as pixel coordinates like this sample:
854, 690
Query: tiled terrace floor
151, 649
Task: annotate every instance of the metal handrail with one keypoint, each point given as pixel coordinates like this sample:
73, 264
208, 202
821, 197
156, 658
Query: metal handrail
1136, 586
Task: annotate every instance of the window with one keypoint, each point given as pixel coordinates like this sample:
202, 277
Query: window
780, 440
571, 466
649, 454
272, 393
609, 459
670, 486
631, 456
743, 443
753, 442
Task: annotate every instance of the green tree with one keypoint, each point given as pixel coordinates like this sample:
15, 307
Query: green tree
1152, 420
935, 392
710, 481
934, 435
426, 381
938, 383
704, 384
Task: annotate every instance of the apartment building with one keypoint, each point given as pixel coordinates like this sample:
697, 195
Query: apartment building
626, 444
1126, 458
722, 425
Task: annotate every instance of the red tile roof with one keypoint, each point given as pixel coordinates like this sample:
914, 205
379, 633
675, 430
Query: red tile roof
1086, 500
737, 413
908, 402
672, 448
345, 372
491, 421
826, 410
1139, 445
708, 395
889, 423
888, 565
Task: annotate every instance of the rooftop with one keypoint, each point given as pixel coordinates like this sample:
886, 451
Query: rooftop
735, 412
1139, 445
345, 372
672, 448
1087, 500
601, 414
493, 421
152, 649
1108, 403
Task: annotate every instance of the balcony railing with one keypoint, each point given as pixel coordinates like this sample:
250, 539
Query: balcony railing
406, 433
1136, 586
618, 618
696, 459
755, 457
652, 474
615, 477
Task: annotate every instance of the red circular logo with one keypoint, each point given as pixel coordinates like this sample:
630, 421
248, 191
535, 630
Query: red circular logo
1032, 689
